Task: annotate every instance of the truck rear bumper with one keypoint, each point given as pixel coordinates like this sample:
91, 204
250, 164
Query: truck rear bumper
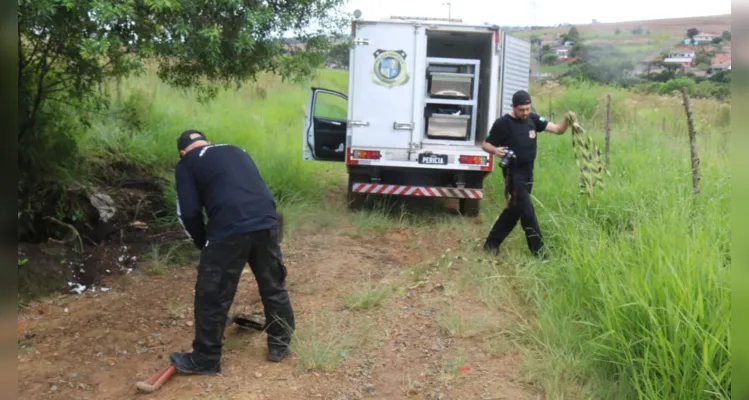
480, 161
419, 191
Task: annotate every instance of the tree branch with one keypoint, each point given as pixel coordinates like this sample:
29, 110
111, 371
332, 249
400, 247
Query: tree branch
45, 66
47, 89
72, 229
78, 108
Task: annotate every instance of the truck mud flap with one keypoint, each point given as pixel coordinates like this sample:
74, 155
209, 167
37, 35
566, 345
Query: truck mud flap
420, 191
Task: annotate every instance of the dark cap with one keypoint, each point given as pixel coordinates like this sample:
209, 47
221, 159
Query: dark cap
521, 98
189, 137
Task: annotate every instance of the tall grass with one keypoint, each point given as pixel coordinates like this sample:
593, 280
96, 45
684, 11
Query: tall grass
634, 302
637, 291
265, 118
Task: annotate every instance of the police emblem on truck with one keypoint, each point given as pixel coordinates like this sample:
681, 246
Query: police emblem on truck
389, 68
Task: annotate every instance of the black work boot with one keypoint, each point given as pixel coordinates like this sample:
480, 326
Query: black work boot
540, 251
185, 364
277, 353
492, 249
542, 255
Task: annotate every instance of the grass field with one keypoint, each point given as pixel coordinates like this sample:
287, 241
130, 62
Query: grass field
556, 69
635, 300
640, 288
264, 118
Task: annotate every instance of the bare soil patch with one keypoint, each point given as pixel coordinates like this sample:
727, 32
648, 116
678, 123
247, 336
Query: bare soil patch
98, 344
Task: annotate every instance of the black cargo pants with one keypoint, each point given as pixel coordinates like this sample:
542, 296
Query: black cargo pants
518, 185
221, 265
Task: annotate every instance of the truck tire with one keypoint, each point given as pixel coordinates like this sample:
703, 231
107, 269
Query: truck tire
355, 200
469, 207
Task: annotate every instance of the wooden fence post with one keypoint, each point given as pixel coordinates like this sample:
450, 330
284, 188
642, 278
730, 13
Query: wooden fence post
608, 127
692, 142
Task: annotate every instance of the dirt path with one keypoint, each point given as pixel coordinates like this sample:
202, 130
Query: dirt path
411, 345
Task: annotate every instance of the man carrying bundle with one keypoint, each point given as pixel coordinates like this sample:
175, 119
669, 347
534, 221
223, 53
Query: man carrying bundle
517, 132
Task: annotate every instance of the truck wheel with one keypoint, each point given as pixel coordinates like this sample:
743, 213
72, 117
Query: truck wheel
355, 200
469, 207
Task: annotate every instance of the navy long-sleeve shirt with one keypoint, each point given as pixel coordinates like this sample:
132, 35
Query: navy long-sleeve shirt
225, 181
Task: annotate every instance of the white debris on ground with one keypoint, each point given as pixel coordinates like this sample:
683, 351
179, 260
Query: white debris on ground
124, 262
76, 288
93, 289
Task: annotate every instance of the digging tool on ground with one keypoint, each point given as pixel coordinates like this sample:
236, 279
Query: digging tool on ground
155, 382
249, 322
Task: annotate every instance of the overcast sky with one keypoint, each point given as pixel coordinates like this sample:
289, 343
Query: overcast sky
543, 12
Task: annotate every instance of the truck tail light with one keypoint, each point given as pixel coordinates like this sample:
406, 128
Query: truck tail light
366, 154
474, 160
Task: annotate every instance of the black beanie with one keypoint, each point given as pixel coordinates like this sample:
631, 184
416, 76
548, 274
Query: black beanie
521, 98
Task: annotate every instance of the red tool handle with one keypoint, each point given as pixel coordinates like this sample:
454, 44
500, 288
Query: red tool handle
154, 383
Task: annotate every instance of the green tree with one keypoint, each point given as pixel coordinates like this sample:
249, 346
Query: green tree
717, 40
68, 48
726, 36
339, 54
678, 83
573, 34
721, 77
546, 54
549, 59
703, 59
692, 32
672, 68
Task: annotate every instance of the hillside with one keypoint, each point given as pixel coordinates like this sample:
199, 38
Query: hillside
638, 41
673, 26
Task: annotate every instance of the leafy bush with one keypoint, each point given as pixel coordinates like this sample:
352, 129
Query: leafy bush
677, 84
697, 87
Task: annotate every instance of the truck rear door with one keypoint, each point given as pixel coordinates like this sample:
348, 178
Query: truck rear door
515, 71
382, 102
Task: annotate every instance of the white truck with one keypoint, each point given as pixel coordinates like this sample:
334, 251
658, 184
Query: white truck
422, 96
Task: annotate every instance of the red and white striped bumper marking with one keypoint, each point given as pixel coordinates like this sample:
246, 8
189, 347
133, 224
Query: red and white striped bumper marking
420, 191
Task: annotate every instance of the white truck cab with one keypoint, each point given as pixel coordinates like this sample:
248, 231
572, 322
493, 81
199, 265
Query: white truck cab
421, 99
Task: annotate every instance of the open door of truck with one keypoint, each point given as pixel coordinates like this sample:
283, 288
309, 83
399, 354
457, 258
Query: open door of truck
325, 126
515, 70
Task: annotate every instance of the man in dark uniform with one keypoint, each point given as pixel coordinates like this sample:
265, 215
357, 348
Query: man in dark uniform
242, 228
518, 132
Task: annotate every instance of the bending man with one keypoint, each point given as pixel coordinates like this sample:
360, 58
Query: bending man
242, 228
